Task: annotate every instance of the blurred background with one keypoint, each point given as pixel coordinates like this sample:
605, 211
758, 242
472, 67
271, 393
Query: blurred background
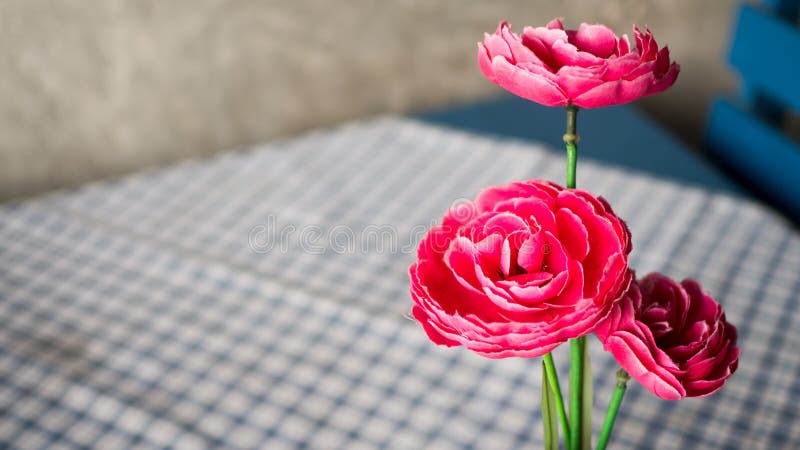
193, 308
96, 88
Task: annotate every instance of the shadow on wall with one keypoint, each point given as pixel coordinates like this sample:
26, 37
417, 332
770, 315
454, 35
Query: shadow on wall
96, 88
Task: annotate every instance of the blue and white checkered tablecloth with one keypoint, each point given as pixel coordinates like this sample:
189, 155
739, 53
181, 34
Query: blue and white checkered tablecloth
258, 300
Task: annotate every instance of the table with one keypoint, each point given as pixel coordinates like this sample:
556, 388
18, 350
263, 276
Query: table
216, 304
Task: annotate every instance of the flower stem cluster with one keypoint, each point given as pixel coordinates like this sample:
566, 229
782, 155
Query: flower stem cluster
535, 265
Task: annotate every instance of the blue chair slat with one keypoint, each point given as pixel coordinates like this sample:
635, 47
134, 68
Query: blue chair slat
766, 52
748, 140
761, 155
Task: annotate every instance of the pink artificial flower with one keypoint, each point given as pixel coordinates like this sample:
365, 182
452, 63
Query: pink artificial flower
672, 338
521, 270
589, 67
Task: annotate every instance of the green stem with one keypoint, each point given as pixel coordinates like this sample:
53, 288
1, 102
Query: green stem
571, 139
556, 389
613, 407
576, 345
576, 390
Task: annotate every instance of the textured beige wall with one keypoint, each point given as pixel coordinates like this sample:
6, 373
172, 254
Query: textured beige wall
96, 88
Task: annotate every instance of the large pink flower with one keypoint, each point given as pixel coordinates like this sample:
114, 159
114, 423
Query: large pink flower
589, 67
521, 270
672, 338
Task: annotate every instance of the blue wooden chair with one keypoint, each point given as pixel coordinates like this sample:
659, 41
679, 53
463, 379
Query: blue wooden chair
747, 134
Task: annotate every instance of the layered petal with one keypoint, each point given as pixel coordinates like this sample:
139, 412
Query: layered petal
671, 337
589, 67
598, 40
507, 275
526, 84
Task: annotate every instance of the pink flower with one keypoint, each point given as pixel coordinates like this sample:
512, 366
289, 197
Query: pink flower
672, 338
521, 270
589, 67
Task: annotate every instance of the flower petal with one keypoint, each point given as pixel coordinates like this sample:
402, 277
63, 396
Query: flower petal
527, 85
573, 233
598, 40
615, 92
666, 81
574, 80
566, 54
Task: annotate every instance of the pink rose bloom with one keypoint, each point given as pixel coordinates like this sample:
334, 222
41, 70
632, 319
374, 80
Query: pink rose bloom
589, 67
521, 270
672, 338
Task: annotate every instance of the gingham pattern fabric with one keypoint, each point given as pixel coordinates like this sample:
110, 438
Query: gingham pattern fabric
152, 312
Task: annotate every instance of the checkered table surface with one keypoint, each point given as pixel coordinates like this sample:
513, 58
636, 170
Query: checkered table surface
224, 304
